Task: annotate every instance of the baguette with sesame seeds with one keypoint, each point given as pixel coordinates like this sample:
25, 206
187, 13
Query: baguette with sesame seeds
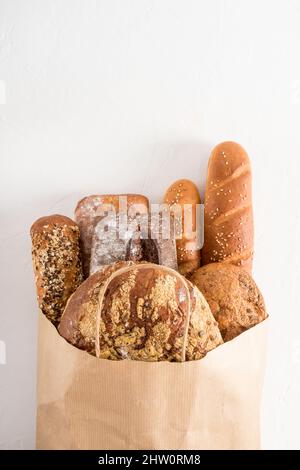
228, 219
185, 195
56, 262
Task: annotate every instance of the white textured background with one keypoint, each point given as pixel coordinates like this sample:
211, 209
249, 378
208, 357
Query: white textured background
126, 96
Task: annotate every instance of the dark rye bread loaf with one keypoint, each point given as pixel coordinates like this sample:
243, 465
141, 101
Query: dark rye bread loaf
56, 262
145, 238
233, 297
142, 312
91, 209
228, 221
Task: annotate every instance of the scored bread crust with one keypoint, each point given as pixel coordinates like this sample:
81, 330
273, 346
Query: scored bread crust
228, 220
141, 311
233, 297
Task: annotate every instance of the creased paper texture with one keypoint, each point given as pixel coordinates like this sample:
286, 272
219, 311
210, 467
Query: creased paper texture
90, 403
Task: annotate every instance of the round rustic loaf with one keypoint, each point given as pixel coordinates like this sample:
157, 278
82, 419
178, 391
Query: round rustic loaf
140, 311
233, 297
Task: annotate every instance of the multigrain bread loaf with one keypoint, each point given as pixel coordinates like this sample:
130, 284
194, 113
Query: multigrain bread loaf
90, 210
233, 297
228, 224
142, 312
183, 194
56, 262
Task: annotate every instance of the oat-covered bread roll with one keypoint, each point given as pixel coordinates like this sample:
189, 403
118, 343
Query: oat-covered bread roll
140, 311
233, 297
56, 262
228, 222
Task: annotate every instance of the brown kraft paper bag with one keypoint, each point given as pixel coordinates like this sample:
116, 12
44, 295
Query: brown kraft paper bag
89, 403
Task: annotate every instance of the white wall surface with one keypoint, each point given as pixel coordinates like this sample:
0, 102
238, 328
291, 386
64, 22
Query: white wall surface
126, 96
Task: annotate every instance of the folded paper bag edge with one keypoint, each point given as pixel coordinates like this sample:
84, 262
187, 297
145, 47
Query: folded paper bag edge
45, 324
85, 402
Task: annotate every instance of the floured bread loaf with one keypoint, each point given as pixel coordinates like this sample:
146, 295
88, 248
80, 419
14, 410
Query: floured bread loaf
111, 244
140, 311
92, 209
233, 297
158, 240
145, 238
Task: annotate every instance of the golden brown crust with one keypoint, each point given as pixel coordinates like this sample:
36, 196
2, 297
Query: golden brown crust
233, 297
40, 224
228, 224
183, 192
56, 262
89, 211
142, 312
83, 303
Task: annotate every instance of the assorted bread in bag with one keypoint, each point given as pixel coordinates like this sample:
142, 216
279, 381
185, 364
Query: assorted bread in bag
128, 283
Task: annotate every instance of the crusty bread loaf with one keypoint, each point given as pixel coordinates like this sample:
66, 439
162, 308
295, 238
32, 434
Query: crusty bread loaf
140, 311
91, 209
56, 263
233, 297
184, 192
158, 243
228, 224
145, 239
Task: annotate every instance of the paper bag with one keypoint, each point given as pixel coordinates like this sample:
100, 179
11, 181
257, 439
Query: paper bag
90, 403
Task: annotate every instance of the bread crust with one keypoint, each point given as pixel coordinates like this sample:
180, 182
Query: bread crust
233, 297
140, 311
228, 220
183, 192
145, 240
88, 213
56, 263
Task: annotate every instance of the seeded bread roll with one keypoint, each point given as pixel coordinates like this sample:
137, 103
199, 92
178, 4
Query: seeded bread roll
228, 224
142, 312
184, 193
56, 263
90, 210
233, 297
